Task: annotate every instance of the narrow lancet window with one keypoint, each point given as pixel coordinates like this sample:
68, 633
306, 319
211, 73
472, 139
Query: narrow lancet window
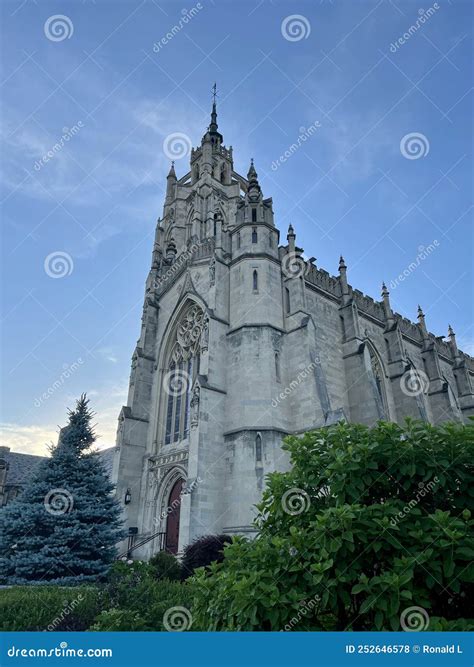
255, 280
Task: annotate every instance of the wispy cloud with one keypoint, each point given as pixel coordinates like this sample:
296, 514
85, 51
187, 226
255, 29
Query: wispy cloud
30, 439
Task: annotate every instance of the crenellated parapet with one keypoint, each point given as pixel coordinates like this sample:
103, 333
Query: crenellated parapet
323, 279
368, 305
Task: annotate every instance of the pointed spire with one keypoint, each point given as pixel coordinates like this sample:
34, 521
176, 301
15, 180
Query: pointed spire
172, 173
422, 323
252, 174
254, 190
291, 238
386, 304
452, 342
213, 127
343, 280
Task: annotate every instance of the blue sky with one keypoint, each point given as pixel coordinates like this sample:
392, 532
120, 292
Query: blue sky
349, 188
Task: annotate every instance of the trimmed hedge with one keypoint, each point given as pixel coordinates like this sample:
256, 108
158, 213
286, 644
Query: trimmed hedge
53, 608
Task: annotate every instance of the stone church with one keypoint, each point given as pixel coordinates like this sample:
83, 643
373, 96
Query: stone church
244, 341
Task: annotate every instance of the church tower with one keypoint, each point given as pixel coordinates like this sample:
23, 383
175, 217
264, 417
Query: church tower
242, 342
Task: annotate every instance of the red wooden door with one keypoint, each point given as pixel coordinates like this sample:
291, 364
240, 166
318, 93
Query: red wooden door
172, 523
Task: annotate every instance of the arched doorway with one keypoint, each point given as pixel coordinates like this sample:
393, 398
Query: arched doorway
172, 522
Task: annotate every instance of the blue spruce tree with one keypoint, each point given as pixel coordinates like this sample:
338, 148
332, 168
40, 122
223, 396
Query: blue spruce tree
64, 527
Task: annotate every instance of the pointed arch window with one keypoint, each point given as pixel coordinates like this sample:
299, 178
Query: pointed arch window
378, 381
254, 234
238, 239
254, 215
258, 448
181, 372
255, 280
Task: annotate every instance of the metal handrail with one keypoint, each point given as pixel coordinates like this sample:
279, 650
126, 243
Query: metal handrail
132, 547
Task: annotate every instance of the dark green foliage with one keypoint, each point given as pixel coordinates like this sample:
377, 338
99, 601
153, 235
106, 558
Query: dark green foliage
135, 600
202, 552
387, 524
65, 525
122, 581
53, 608
165, 566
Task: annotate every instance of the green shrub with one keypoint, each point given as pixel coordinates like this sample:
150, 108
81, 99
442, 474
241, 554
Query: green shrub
202, 552
165, 566
368, 523
36, 608
119, 620
145, 607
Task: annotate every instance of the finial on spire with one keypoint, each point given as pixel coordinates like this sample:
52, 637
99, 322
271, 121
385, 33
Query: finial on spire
172, 173
291, 231
421, 318
213, 125
451, 333
342, 264
385, 291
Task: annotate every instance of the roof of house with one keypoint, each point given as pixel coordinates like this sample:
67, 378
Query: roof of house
22, 466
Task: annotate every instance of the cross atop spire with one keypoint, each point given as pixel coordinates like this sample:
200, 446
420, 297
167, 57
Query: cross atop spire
213, 126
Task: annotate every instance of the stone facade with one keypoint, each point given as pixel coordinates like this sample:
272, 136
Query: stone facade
243, 341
